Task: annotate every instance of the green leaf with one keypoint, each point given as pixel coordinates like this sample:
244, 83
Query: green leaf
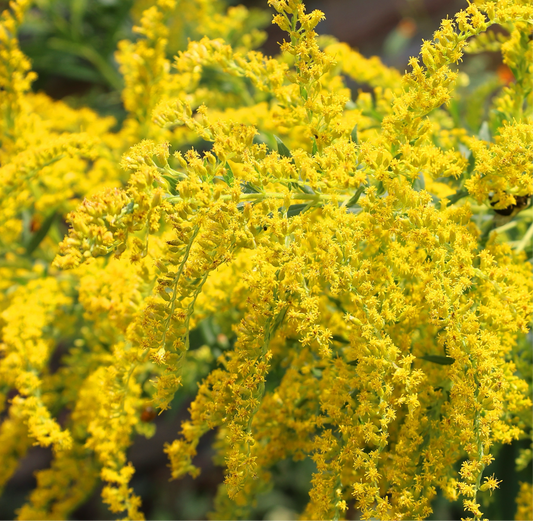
295, 209
441, 360
457, 196
355, 137
301, 402
40, 234
128, 208
353, 200
484, 132
282, 149
340, 339
419, 183
228, 176
303, 92
466, 152
249, 188
173, 182
471, 163
454, 110
317, 373
306, 189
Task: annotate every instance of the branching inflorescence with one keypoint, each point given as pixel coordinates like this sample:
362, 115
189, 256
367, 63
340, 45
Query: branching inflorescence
375, 306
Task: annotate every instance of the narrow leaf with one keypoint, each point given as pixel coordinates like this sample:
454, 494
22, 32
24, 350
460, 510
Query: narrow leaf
40, 234
340, 339
355, 136
295, 209
484, 132
441, 360
457, 196
282, 149
419, 183
229, 177
249, 188
353, 200
172, 182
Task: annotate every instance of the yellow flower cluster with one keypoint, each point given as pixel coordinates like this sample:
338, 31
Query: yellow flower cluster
374, 307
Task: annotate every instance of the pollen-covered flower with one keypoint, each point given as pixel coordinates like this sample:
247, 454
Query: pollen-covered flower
341, 255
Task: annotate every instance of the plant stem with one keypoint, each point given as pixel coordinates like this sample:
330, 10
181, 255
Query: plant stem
525, 239
505, 227
261, 196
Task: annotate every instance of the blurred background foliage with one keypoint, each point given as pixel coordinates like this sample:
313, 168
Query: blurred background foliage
71, 44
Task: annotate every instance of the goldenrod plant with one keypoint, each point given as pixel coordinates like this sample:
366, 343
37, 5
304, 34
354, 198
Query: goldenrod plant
362, 255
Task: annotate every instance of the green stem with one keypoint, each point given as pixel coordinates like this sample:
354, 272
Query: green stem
505, 227
175, 288
525, 239
353, 201
168, 170
280, 195
277, 195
